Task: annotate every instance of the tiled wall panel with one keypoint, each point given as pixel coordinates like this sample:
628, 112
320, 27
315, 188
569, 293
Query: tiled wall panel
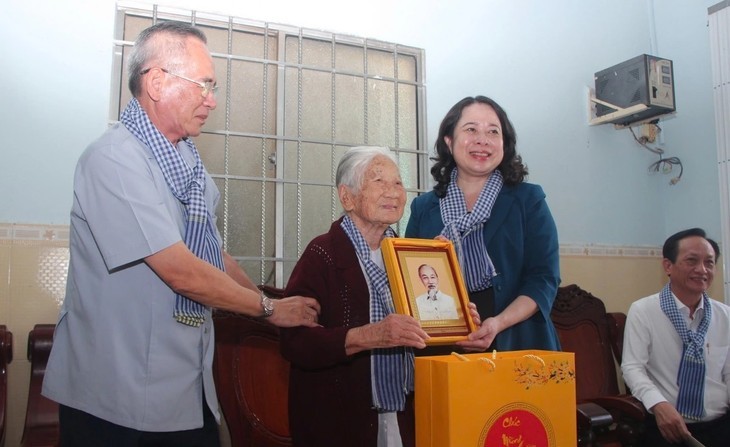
33, 263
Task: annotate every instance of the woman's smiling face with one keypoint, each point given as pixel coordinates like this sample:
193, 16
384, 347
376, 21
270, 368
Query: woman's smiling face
477, 144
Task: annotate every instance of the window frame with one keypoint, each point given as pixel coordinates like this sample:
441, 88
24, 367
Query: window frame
281, 33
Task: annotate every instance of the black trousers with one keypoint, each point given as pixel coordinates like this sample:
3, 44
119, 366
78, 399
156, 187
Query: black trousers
80, 429
715, 433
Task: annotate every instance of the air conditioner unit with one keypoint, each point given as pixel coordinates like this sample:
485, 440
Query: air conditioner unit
635, 90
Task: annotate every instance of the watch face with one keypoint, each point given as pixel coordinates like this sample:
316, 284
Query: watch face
267, 305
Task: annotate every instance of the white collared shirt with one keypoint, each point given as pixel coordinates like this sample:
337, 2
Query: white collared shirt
439, 307
653, 351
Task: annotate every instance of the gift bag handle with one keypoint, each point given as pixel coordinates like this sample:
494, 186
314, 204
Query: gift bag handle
493, 365
490, 362
535, 357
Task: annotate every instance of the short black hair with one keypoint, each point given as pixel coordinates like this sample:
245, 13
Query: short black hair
671, 245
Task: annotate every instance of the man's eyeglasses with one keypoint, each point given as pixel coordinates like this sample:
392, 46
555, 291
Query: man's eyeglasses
207, 86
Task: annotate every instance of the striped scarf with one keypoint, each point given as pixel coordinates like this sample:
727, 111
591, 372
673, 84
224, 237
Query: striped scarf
691, 375
464, 229
391, 368
187, 185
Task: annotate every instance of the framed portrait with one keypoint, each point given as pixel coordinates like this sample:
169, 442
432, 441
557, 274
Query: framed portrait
426, 283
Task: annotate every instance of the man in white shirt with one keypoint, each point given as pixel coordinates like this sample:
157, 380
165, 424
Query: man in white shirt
434, 304
675, 356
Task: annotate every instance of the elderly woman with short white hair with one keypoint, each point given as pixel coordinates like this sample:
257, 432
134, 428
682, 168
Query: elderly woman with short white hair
351, 379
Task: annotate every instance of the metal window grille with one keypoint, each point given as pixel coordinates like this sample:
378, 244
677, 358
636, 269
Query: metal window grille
291, 102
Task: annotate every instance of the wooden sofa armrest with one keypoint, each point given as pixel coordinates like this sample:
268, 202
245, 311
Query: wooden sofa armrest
41, 416
624, 413
593, 415
628, 415
624, 405
592, 420
6, 346
6, 356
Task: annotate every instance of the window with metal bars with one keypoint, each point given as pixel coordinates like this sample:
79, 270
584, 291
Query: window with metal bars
291, 101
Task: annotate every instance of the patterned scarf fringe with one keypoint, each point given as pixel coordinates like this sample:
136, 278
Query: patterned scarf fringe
691, 375
391, 368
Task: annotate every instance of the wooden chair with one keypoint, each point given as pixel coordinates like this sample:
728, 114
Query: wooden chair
605, 416
252, 379
6, 356
41, 416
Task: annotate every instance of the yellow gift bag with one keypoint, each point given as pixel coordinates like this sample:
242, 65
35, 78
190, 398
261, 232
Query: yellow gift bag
505, 399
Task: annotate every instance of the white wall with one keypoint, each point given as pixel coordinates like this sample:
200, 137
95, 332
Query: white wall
536, 58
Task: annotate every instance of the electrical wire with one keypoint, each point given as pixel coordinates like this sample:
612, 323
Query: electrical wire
663, 165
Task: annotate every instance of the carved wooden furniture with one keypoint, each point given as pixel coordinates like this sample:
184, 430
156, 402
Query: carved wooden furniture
605, 416
41, 416
6, 356
252, 379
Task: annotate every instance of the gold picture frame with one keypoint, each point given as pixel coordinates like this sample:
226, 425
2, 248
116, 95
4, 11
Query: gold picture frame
442, 310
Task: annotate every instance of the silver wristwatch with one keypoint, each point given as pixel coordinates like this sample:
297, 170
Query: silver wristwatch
267, 304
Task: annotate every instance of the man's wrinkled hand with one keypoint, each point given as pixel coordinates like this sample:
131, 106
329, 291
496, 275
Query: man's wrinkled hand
670, 423
295, 311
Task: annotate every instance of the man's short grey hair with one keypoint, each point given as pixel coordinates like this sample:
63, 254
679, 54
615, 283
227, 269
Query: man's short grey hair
146, 49
351, 170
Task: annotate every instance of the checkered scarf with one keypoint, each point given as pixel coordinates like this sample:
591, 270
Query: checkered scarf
691, 375
464, 229
391, 368
187, 185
